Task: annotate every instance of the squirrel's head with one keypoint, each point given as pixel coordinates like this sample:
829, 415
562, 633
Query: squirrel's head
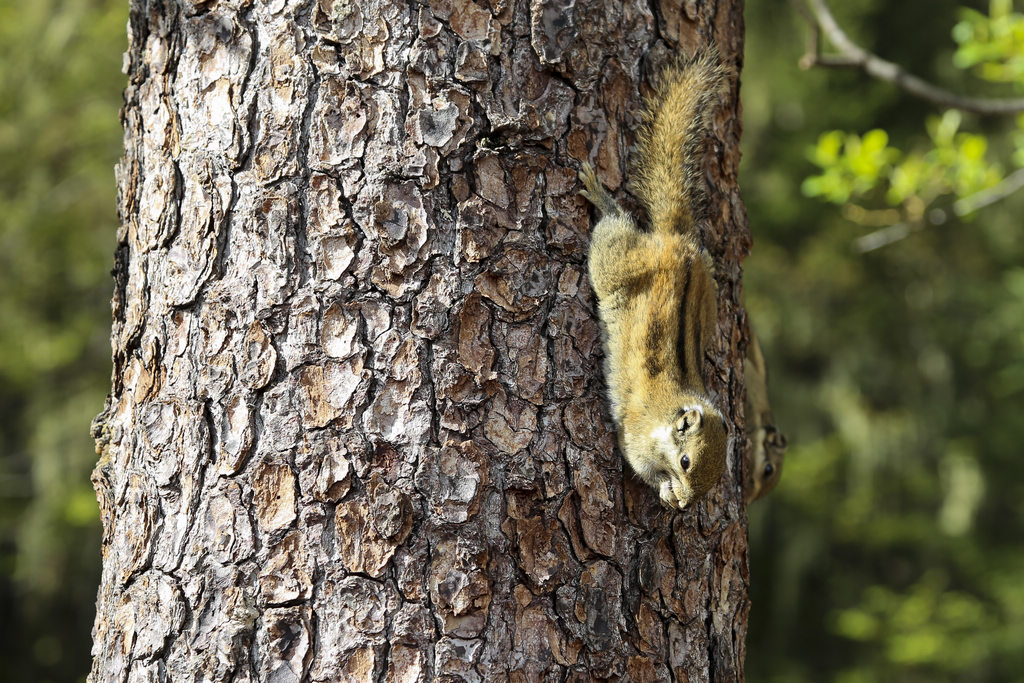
766, 467
693, 448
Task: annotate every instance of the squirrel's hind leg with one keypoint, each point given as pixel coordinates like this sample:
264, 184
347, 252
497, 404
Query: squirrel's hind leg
616, 258
615, 242
595, 193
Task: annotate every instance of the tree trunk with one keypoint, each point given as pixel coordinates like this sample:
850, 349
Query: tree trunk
357, 428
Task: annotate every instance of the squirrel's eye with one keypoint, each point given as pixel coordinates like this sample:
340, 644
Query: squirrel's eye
769, 470
685, 462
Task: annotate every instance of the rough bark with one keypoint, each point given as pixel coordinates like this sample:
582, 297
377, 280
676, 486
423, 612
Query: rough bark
357, 427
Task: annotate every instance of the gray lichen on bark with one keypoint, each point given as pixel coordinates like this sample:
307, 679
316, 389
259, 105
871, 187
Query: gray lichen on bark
356, 430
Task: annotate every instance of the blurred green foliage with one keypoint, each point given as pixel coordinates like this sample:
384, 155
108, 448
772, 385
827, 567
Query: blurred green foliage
854, 165
955, 164
60, 86
993, 44
891, 549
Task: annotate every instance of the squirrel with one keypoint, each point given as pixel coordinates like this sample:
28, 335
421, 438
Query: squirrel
764, 463
656, 293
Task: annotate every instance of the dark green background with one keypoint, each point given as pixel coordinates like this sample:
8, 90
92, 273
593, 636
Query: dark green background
890, 551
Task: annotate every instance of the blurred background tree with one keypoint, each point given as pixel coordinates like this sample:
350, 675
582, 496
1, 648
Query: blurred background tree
890, 551
893, 321
60, 91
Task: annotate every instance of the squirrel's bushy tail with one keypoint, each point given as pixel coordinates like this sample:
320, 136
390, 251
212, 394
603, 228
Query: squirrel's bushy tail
670, 181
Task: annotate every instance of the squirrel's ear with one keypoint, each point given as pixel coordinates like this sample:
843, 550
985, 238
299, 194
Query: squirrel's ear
776, 439
690, 419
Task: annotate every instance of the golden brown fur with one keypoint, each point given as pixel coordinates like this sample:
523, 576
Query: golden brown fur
764, 467
657, 296
670, 181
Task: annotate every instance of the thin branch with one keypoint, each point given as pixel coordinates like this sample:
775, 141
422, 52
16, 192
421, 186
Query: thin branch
883, 237
897, 231
852, 55
1003, 188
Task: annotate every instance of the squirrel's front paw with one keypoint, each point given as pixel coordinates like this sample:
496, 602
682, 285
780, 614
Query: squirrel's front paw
668, 496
